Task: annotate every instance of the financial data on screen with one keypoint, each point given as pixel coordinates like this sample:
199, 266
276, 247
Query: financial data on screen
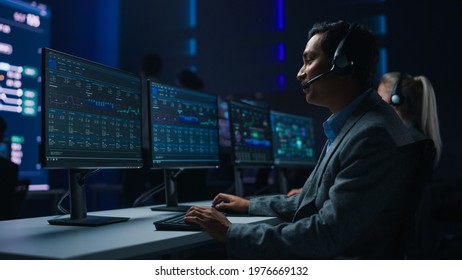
184, 127
293, 139
92, 114
250, 134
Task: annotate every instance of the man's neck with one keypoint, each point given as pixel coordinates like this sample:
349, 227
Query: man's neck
346, 97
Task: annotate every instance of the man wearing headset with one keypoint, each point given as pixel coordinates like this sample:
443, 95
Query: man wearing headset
351, 204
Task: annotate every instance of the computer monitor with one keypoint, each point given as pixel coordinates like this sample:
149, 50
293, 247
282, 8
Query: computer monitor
293, 144
91, 119
250, 139
293, 140
183, 134
250, 135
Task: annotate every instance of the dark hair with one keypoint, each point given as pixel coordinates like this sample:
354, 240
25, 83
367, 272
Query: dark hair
190, 79
3, 127
151, 65
360, 47
411, 90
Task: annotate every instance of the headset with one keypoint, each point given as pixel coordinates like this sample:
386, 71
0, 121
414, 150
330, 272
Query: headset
397, 98
341, 63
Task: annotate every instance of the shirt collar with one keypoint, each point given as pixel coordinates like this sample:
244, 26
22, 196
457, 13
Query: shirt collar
335, 122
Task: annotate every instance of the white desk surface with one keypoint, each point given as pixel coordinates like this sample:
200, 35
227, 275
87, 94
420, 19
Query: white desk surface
34, 238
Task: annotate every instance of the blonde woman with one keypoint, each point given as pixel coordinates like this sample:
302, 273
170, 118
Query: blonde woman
413, 98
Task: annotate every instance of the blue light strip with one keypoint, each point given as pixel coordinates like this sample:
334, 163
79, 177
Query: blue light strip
192, 42
281, 81
381, 25
192, 13
108, 32
280, 14
281, 52
383, 65
192, 47
280, 47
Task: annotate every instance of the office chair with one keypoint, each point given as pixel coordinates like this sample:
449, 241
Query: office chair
410, 238
9, 179
444, 239
17, 199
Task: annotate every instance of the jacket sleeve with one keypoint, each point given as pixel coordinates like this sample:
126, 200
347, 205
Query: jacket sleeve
281, 206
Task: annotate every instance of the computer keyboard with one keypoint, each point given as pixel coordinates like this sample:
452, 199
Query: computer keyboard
176, 223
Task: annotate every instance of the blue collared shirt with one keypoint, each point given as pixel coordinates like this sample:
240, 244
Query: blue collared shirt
335, 122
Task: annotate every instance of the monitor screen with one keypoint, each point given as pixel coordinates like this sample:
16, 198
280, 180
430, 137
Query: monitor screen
183, 127
24, 30
91, 114
293, 139
250, 134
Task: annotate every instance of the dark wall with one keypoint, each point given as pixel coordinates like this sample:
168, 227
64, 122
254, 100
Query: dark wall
86, 28
160, 27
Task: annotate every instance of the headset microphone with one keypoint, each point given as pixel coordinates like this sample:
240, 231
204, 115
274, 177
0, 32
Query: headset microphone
315, 79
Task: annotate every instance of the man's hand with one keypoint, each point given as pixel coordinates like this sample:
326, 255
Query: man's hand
231, 202
211, 220
294, 192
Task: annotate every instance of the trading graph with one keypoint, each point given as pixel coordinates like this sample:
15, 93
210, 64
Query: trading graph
67, 101
129, 110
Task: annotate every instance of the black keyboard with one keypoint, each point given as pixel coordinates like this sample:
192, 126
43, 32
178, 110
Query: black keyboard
176, 223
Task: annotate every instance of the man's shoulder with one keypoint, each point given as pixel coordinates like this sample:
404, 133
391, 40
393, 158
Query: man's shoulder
381, 116
375, 118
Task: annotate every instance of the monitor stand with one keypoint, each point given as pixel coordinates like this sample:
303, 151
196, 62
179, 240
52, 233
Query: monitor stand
78, 205
238, 185
282, 178
171, 194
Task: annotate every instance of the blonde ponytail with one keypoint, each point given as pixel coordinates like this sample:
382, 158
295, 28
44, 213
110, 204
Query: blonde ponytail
429, 117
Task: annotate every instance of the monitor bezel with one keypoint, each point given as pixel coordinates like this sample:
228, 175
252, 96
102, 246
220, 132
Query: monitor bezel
238, 163
86, 163
288, 163
186, 164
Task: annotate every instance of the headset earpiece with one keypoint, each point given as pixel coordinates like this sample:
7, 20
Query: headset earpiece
341, 63
396, 98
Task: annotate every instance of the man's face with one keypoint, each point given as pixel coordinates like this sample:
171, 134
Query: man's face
316, 62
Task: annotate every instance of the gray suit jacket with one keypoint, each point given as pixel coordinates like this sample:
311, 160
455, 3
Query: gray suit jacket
350, 205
